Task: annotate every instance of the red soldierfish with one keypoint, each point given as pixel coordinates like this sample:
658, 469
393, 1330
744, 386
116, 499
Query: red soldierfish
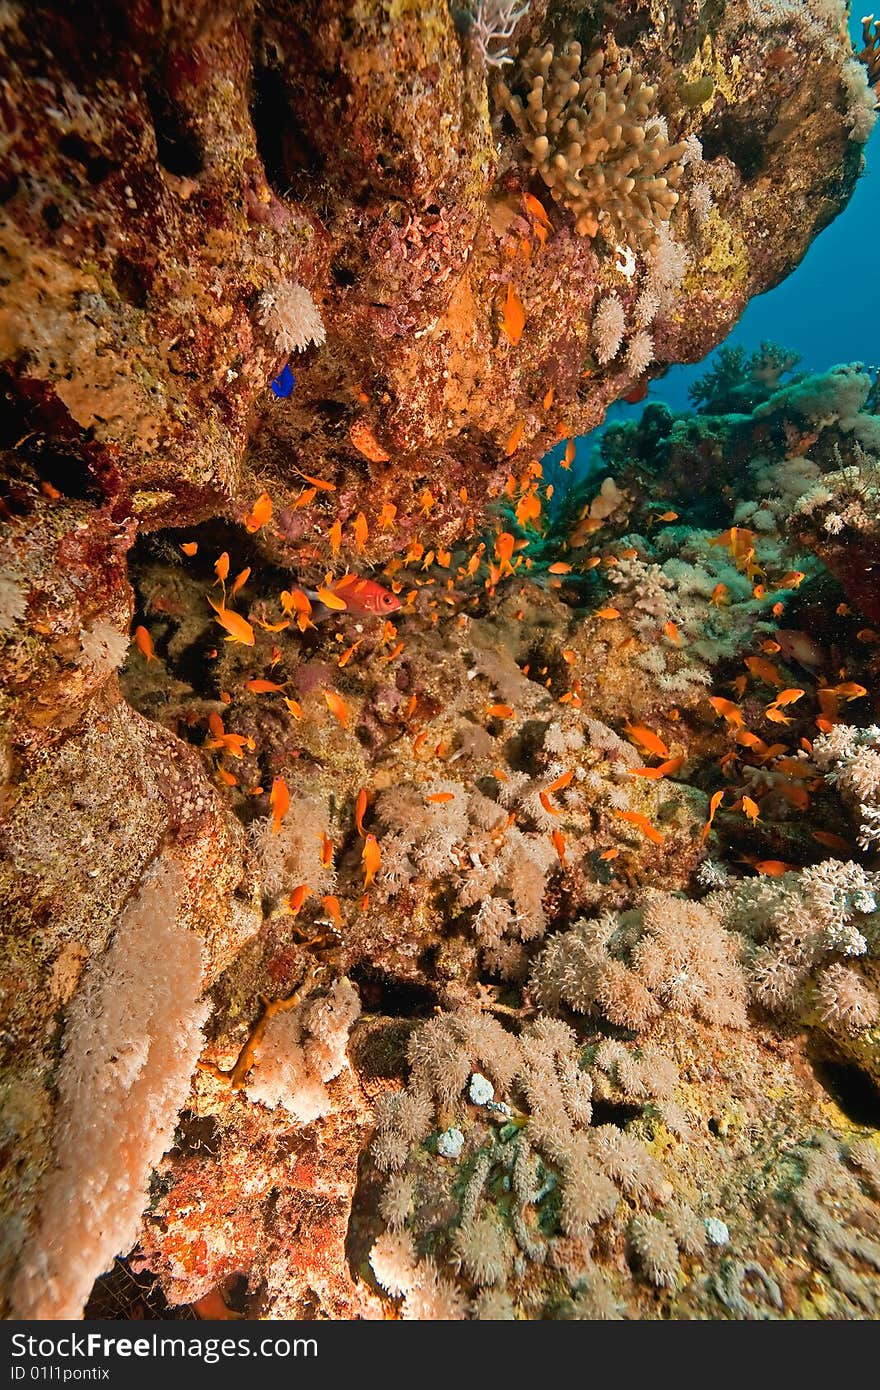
362, 597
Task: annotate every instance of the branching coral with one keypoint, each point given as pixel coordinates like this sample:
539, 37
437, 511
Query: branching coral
592, 132
870, 53
737, 381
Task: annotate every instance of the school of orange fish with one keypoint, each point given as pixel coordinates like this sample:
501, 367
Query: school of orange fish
457, 581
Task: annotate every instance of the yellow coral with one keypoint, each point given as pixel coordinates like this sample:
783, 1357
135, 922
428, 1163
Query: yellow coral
596, 140
726, 255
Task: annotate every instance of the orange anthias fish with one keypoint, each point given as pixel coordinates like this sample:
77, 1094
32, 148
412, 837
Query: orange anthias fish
371, 858
775, 715
238, 628
279, 800
638, 733
727, 709
144, 643
788, 697
528, 509
564, 780
329, 599
515, 436
263, 687
714, 802
849, 690
514, 318
337, 707
559, 845
360, 807
750, 740
504, 550
739, 541
259, 513
296, 899
642, 823
774, 868
349, 652
501, 711
661, 770
233, 744
295, 601
331, 906
239, 581
764, 670
536, 209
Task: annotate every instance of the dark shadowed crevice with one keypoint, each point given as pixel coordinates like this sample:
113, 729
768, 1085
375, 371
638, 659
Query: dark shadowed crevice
738, 138
851, 1090
46, 441
133, 280
607, 1113
283, 145
177, 147
123, 1295
96, 164
383, 995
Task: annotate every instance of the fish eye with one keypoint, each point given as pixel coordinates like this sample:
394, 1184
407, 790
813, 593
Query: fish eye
387, 598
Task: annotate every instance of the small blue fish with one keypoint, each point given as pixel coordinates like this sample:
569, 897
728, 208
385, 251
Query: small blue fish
284, 383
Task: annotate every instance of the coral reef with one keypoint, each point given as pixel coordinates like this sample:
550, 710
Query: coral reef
436, 883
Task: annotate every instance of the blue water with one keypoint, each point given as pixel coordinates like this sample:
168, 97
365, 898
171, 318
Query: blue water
827, 310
